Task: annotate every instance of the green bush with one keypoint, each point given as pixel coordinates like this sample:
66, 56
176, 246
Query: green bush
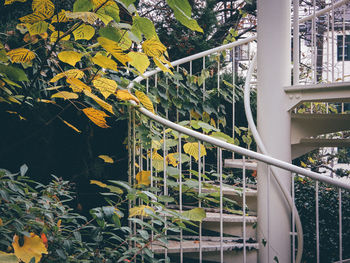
328, 218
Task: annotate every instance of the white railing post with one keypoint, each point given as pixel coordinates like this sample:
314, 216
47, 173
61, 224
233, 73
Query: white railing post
274, 64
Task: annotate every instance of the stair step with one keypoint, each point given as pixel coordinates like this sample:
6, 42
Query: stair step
238, 163
231, 191
311, 125
228, 218
189, 246
323, 92
308, 144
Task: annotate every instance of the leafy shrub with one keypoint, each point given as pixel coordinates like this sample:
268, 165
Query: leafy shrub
328, 218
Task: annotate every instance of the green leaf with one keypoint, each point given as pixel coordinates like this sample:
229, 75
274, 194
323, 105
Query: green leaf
13, 73
144, 26
182, 11
110, 32
196, 214
82, 6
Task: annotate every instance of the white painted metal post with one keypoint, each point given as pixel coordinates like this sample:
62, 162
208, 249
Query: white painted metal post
274, 73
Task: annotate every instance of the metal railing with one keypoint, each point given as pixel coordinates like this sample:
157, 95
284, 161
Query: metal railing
273, 163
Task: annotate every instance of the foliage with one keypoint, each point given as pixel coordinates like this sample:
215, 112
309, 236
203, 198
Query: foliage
328, 216
84, 56
36, 221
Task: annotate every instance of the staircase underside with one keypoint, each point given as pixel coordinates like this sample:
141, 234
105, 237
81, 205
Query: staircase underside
311, 125
309, 144
325, 92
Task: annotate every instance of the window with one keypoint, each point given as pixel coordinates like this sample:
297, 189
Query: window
340, 48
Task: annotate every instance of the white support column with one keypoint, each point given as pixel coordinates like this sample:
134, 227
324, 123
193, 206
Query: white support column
274, 73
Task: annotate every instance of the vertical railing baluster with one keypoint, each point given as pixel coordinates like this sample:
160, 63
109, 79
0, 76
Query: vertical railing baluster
191, 68
221, 207
268, 211
233, 95
317, 225
134, 166
327, 63
244, 212
203, 79
295, 42
165, 188
332, 66
130, 164
293, 219
151, 169
177, 94
200, 202
147, 85
180, 196
340, 225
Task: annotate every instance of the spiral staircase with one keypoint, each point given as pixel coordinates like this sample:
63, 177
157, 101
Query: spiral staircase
290, 123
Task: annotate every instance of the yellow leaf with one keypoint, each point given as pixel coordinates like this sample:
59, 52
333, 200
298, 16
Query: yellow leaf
59, 222
146, 102
72, 73
104, 18
303, 164
160, 65
139, 60
212, 122
99, 3
21, 55
70, 57
170, 159
46, 101
191, 148
125, 42
100, 184
45, 7
113, 47
56, 34
106, 158
87, 17
8, 2
143, 177
71, 126
61, 17
195, 114
37, 28
1, 223
157, 161
124, 94
105, 86
33, 246
16, 113
153, 47
33, 18
84, 32
140, 210
96, 116
100, 102
65, 95
104, 62
77, 85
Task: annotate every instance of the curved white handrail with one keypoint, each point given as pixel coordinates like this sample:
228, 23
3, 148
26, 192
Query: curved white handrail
261, 146
243, 151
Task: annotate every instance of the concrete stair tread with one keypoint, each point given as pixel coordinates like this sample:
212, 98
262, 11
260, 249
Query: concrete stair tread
320, 116
230, 190
238, 163
228, 218
321, 142
322, 92
189, 246
319, 86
